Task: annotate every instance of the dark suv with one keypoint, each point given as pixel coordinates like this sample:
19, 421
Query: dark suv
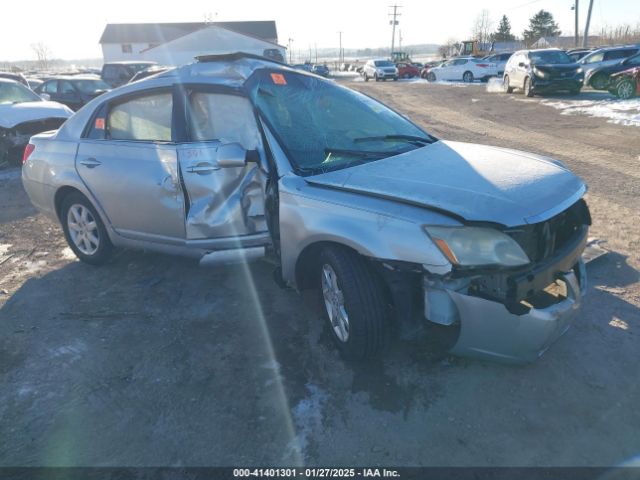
544, 70
119, 73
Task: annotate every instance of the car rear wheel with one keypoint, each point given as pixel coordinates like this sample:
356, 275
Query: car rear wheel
366, 77
431, 77
506, 86
528, 91
354, 301
84, 231
599, 82
467, 77
625, 89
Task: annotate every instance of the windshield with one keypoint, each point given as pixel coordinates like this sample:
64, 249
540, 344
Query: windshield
550, 57
16, 93
383, 63
323, 126
91, 85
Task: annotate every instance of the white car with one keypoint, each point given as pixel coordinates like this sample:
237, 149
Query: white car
379, 70
23, 114
500, 59
466, 69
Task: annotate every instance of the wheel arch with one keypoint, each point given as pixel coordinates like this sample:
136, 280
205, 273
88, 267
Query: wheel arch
308, 259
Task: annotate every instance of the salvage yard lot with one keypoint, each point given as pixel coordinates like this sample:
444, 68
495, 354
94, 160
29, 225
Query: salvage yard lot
152, 360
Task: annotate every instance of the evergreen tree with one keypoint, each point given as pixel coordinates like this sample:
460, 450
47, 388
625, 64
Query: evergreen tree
503, 34
540, 25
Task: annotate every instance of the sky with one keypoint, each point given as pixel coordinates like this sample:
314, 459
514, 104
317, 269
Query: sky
71, 29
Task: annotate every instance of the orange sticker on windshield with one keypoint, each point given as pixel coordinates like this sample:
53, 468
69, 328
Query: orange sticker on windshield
100, 123
278, 79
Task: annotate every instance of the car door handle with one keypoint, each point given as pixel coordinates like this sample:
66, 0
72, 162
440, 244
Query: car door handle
90, 162
202, 168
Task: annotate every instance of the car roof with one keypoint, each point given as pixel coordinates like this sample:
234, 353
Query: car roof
229, 70
10, 80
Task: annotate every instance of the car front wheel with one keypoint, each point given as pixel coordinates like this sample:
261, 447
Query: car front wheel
625, 89
354, 301
431, 77
467, 77
527, 89
599, 81
84, 230
366, 77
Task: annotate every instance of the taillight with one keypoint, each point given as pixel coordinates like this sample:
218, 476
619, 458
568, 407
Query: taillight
28, 150
482, 65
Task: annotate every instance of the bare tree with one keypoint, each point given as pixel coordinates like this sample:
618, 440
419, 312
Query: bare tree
482, 27
43, 53
449, 48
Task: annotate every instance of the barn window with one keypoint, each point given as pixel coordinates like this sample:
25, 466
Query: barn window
126, 48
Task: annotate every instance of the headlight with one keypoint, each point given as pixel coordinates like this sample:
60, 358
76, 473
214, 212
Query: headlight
475, 246
380, 71
578, 71
539, 73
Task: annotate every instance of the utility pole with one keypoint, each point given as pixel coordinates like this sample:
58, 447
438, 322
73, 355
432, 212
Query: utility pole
316, 47
577, 32
289, 48
394, 22
400, 39
586, 28
340, 58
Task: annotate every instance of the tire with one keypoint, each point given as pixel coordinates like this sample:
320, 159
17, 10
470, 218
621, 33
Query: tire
467, 77
526, 88
507, 88
625, 89
366, 77
84, 231
431, 77
376, 77
349, 286
599, 81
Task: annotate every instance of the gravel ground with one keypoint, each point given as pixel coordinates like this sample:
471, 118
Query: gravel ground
152, 360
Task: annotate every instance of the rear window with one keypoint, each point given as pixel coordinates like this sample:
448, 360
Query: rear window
618, 54
142, 118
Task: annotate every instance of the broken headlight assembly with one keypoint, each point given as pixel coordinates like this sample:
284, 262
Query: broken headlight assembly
477, 246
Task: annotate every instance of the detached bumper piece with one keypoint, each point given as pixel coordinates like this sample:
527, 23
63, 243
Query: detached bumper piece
488, 330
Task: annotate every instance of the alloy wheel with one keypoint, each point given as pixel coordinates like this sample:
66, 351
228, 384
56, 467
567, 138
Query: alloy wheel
334, 303
83, 229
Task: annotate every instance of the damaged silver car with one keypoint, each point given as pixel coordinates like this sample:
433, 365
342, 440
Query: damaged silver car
23, 114
235, 158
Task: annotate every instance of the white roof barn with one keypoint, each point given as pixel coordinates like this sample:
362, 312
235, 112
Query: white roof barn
179, 43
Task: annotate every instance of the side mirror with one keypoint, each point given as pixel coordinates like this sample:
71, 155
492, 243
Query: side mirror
45, 96
521, 64
232, 155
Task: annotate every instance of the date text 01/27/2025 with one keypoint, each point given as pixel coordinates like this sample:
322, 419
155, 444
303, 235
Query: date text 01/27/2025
315, 473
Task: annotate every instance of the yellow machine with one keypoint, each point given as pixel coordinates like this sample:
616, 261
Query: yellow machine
474, 48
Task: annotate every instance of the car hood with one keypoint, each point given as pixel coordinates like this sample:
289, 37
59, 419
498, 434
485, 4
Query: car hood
17, 113
475, 183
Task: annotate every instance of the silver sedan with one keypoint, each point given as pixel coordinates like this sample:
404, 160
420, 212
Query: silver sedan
235, 157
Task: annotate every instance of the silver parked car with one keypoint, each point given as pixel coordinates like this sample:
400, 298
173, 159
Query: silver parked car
379, 70
236, 157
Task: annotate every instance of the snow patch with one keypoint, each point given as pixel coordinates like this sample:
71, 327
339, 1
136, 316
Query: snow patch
4, 248
345, 74
68, 254
621, 112
307, 416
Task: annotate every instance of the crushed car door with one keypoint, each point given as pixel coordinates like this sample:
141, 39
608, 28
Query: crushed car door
224, 197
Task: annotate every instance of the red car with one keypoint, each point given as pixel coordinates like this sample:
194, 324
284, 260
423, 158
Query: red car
406, 70
625, 84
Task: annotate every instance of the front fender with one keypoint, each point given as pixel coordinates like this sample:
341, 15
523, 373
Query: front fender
373, 227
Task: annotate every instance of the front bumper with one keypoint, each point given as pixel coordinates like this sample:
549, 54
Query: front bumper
488, 330
552, 85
